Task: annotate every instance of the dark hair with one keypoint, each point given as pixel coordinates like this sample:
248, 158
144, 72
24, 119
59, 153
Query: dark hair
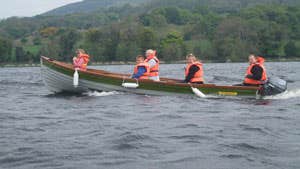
140, 56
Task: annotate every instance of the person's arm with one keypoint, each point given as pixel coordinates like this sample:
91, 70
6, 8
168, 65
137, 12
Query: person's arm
75, 60
257, 72
152, 63
78, 62
141, 71
192, 71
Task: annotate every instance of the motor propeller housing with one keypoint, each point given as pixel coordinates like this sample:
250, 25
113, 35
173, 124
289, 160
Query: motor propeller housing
273, 86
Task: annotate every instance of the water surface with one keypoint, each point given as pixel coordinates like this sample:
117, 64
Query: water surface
127, 131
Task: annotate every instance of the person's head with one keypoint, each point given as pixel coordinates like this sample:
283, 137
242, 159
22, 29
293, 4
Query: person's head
150, 53
140, 59
252, 59
80, 51
190, 59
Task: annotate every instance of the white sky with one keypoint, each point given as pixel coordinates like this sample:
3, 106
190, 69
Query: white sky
29, 7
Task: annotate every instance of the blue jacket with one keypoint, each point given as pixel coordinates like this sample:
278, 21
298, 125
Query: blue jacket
141, 71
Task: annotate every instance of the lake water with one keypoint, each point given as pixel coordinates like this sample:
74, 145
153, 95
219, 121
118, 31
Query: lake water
113, 130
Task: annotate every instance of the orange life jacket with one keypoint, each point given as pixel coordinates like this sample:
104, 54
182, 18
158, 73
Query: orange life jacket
198, 77
86, 59
154, 71
260, 62
146, 66
82, 61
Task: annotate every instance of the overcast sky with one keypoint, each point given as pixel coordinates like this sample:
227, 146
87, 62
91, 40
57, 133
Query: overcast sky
29, 7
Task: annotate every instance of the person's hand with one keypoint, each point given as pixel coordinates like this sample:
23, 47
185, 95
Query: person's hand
248, 76
74, 58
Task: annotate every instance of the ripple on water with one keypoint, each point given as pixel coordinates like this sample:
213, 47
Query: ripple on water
233, 156
191, 138
10, 161
123, 130
249, 148
25, 156
18, 83
129, 140
188, 126
253, 129
169, 116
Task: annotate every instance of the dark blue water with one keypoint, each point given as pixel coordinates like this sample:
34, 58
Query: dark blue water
114, 130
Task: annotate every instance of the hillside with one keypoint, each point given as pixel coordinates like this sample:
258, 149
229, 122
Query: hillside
226, 30
87, 6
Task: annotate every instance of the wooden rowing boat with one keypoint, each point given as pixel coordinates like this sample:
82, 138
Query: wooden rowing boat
58, 77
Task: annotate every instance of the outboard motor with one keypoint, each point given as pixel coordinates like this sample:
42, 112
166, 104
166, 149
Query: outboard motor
273, 86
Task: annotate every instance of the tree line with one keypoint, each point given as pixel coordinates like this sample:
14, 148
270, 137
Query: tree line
121, 33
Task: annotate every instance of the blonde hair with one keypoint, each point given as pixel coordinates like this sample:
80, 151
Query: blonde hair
81, 51
191, 56
252, 55
150, 51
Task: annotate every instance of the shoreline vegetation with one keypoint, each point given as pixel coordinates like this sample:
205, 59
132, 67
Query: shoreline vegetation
7, 65
222, 31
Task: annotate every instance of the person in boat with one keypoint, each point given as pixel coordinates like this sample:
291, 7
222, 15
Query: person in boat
81, 60
256, 73
141, 69
194, 70
153, 61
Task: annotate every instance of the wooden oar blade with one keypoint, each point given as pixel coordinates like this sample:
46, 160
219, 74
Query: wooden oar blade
76, 78
198, 93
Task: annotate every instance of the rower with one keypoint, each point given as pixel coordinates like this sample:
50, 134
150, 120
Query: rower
81, 60
193, 70
154, 64
142, 68
256, 73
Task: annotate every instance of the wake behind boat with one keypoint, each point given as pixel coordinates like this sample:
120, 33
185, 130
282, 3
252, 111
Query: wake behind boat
58, 77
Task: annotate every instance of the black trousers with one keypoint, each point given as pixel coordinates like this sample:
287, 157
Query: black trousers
197, 82
245, 84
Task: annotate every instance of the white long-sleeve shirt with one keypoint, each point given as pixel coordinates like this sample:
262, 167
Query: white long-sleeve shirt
152, 63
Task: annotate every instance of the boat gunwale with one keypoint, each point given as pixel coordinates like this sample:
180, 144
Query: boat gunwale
164, 81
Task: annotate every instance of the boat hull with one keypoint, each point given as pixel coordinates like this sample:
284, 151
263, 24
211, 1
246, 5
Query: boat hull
58, 82
58, 77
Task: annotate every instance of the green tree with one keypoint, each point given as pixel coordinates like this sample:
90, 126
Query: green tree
67, 41
111, 41
5, 50
127, 51
154, 19
51, 49
234, 39
20, 54
273, 39
172, 47
93, 43
291, 50
147, 39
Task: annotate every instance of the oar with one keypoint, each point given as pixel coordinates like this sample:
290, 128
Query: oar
197, 92
130, 85
76, 78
